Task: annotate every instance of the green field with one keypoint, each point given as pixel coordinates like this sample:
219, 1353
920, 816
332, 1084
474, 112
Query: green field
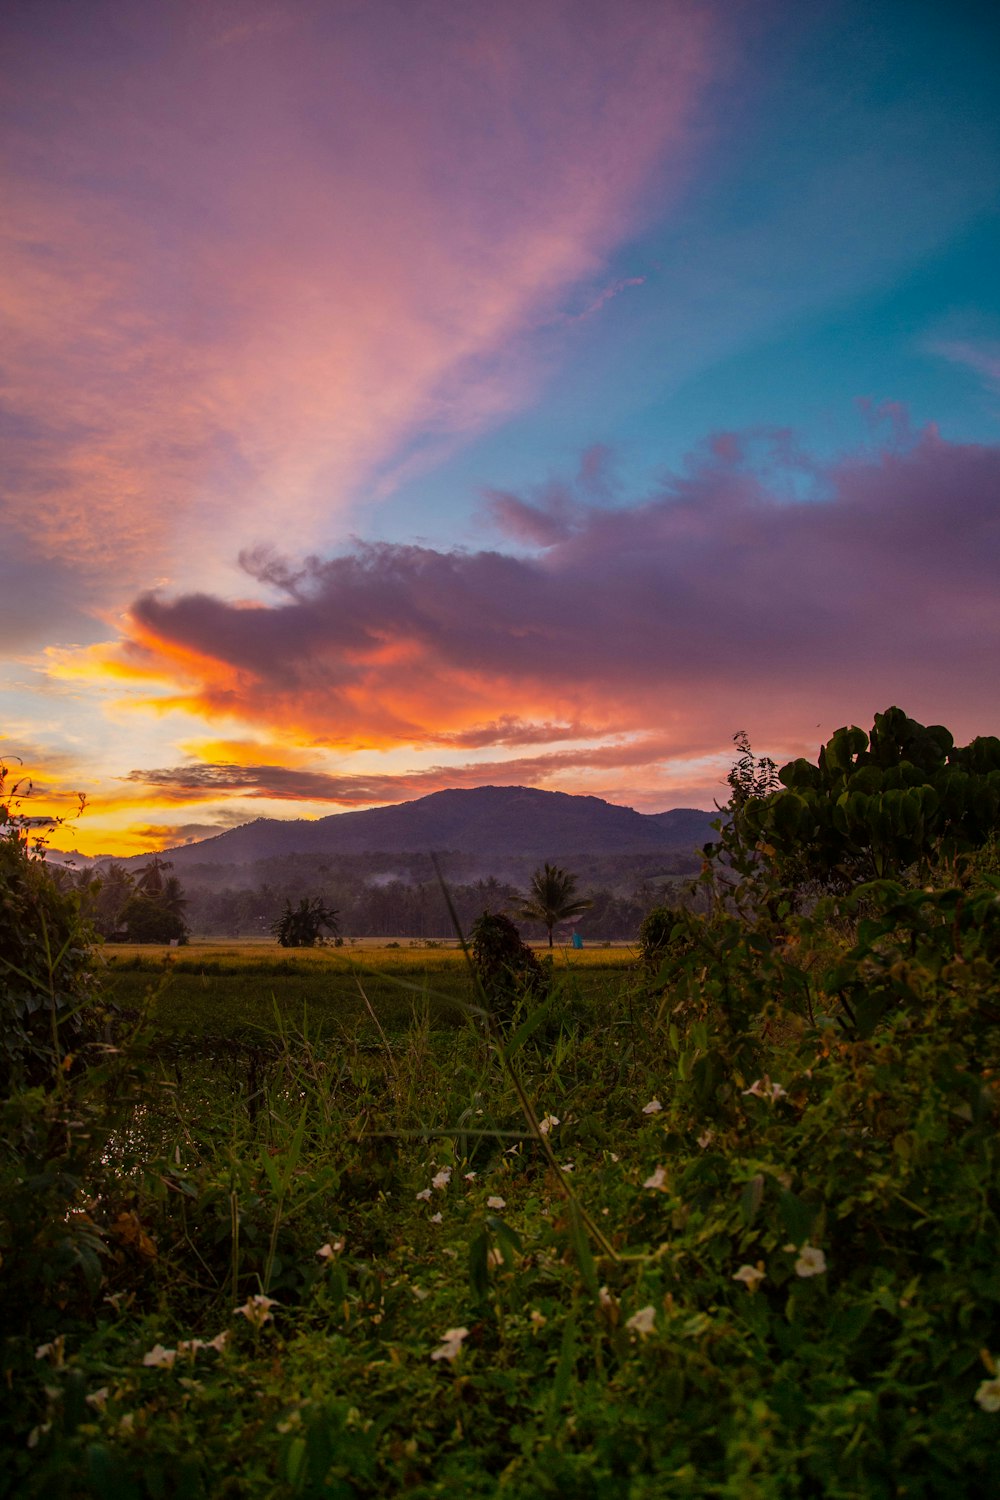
215, 987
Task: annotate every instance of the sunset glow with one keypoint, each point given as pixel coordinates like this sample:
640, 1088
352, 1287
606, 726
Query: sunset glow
404, 397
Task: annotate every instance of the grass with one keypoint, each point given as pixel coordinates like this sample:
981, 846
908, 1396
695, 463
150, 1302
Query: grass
464, 1304
220, 988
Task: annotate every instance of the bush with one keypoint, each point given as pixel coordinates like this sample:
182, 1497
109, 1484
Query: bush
47, 988
665, 932
506, 968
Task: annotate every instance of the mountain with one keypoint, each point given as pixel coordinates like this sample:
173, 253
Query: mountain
490, 820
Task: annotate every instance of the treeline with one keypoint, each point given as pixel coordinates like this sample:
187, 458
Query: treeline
400, 908
374, 895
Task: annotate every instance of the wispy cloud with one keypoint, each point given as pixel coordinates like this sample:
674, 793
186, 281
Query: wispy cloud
252, 254
714, 605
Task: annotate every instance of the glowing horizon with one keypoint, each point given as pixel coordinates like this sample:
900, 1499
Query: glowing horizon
396, 401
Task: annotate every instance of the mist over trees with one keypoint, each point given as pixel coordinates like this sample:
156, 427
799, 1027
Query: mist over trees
389, 895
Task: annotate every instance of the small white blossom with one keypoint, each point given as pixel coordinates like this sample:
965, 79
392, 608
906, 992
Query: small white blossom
657, 1180
257, 1310
751, 1276
652, 1108
494, 1259
548, 1123
328, 1251
55, 1351
436, 1218
471, 1176
604, 1297
159, 1358
441, 1179
567, 1166
811, 1261
763, 1088
424, 1193
37, 1433
451, 1346
219, 1342
643, 1321
705, 1139
98, 1399
988, 1394
496, 1202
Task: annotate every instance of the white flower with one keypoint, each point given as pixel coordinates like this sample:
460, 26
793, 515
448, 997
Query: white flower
190, 1346
643, 1321
567, 1166
751, 1276
604, 1297
328, 1251
53, 1351
424, 1193
451, 1346
493, 1259
441, 1179
811, 1262
98, 1399
158, 1357
257, 1310
705, 1139
988, 1394
652, 1108
614, 1156
763, 1088
435, 1219
496, 1202
219, 1342
37, 1433
657, 1180
548, 1123
471, 1176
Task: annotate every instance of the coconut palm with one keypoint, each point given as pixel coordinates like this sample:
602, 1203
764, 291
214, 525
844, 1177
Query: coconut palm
551, 898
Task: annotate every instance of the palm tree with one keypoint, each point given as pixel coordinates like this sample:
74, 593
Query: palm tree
551, 898
149, 880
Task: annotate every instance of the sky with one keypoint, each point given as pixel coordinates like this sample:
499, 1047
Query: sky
409, 394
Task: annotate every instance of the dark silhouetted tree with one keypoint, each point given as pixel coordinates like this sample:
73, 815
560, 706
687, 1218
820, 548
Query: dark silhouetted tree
299, 926
551, 898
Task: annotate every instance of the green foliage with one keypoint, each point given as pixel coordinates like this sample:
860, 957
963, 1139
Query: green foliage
873, 806
665, 931
505, 968
300, 926
46, 972
551, 898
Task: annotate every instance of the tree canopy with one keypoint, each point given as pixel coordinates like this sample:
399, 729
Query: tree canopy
551, 898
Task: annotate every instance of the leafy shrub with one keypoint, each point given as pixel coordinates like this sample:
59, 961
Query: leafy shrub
872, 806
47, 988
505, 967
665, 931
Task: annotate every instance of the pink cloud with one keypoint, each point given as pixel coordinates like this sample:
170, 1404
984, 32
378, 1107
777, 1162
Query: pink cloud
253, 252
713, 606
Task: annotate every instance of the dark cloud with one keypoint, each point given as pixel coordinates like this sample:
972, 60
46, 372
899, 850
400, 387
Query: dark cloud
720, 590
209, 780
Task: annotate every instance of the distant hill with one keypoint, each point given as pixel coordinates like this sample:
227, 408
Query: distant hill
498, 821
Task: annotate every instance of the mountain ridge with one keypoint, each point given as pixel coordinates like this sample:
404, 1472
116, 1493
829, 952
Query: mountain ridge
517, 820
